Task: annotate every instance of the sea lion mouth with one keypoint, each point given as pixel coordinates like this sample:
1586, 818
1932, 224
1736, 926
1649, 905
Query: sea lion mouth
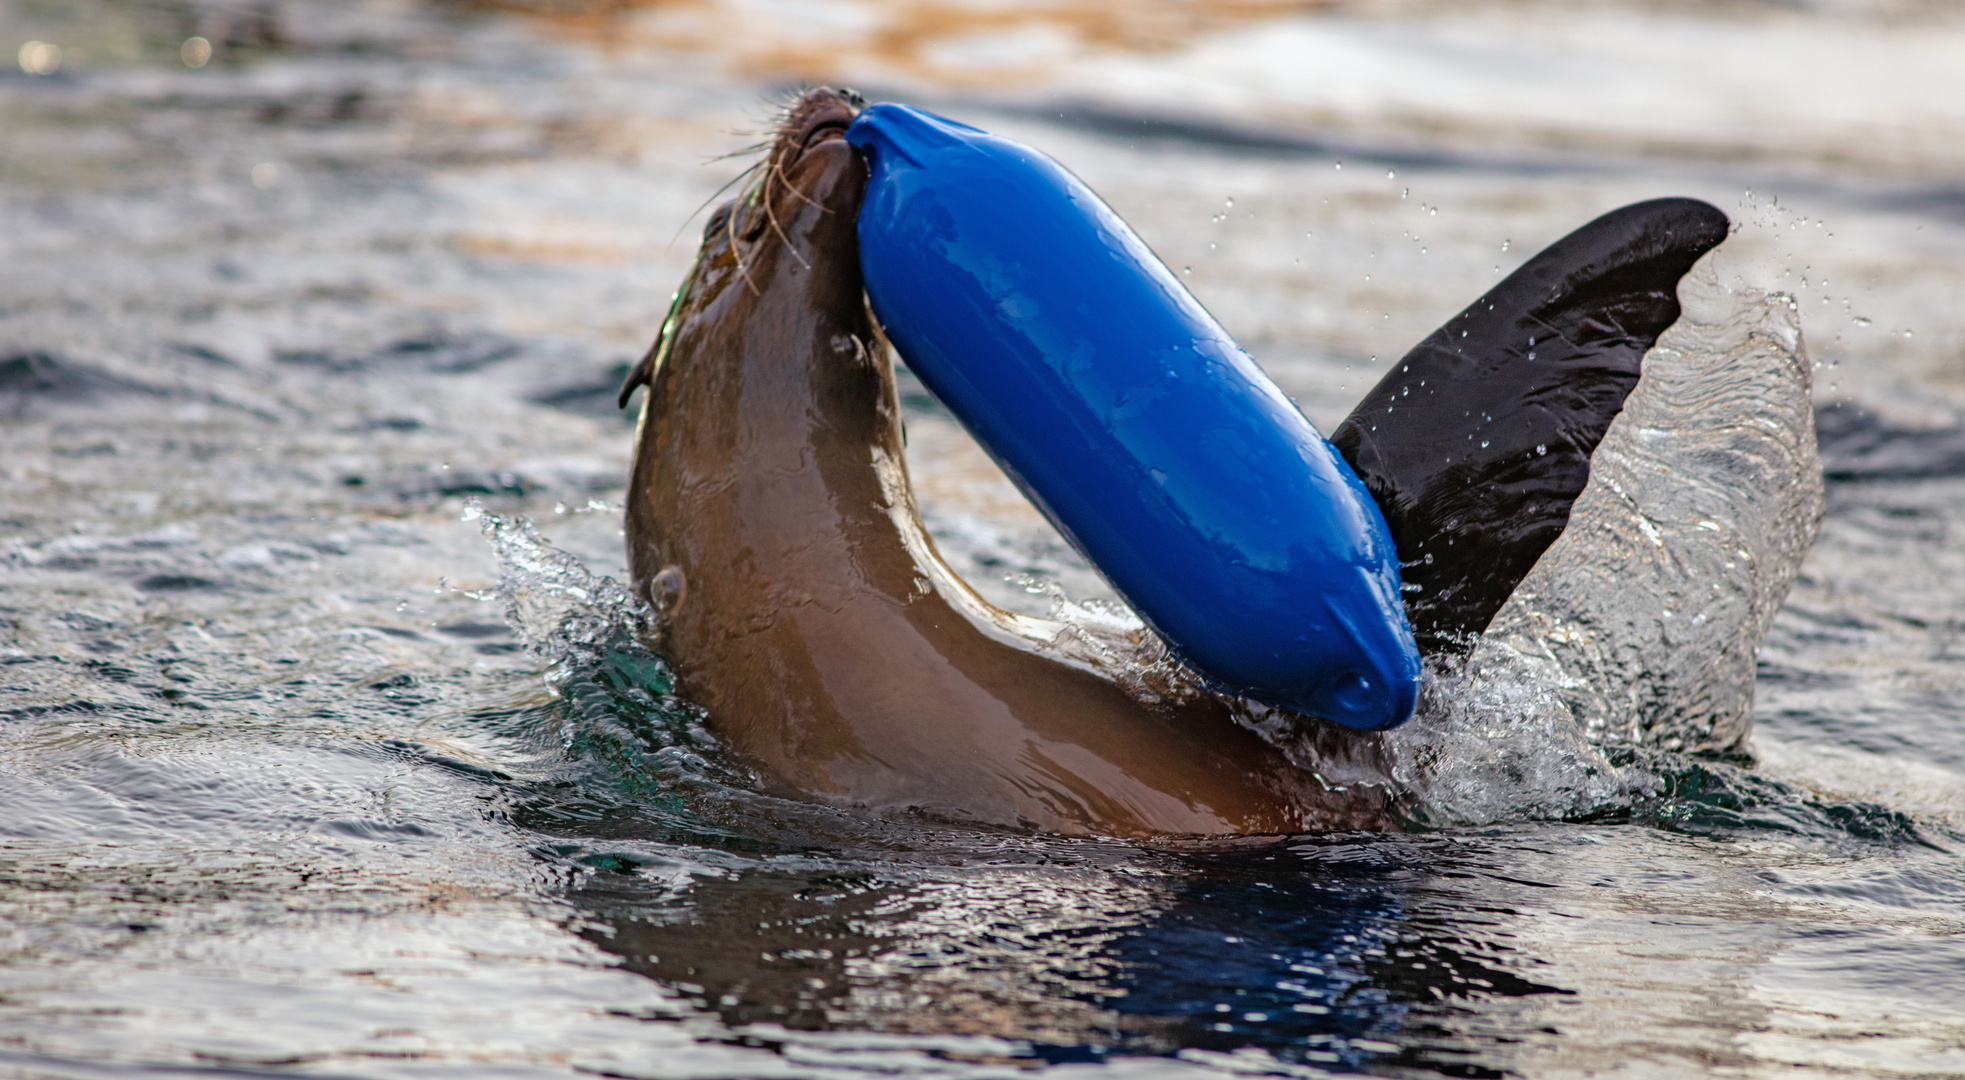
828, 128
818, 116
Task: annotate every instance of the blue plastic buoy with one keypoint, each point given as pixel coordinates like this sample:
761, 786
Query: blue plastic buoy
1132, 420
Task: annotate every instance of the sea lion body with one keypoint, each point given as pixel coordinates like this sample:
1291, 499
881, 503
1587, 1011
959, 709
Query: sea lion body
801, 602
772, 527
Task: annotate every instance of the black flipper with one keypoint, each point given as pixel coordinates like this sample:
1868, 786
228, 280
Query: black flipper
1478, 441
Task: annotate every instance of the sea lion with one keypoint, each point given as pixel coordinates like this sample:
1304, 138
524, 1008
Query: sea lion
772, 526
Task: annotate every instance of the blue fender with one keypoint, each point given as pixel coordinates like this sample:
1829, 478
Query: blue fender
1132, 420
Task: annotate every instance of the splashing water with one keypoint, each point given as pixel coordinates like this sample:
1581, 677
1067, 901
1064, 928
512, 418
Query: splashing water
619, 702
1640, 626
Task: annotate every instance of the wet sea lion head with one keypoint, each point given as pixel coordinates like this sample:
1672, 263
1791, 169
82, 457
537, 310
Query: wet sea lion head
796, 217
804, 196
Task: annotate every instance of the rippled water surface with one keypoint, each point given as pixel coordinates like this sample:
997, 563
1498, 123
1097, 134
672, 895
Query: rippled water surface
316, 759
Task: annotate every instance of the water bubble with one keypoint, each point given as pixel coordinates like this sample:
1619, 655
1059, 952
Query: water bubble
265, 175
196, 52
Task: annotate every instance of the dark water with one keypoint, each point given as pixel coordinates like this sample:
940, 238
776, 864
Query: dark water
308, 771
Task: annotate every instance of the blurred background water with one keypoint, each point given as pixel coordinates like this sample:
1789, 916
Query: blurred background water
309, 767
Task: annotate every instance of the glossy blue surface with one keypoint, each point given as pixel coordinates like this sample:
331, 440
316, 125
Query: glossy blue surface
1128, 415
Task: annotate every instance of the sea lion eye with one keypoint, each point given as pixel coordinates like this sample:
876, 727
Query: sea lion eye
719, 220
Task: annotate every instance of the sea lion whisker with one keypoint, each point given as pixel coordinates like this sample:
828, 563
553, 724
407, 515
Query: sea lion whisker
719, 192
776, 174
772, 217
807, 199
743, 151
737, 253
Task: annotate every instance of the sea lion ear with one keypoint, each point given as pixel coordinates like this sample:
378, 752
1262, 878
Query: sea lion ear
1477, 442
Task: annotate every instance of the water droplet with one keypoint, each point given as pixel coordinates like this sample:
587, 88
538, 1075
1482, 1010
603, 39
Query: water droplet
1541, 448
1483, 444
